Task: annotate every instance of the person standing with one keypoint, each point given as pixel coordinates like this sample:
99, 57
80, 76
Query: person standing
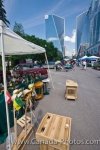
84, 64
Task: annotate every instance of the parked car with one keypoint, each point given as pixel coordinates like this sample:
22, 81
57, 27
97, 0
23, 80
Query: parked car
96, 64
68, 66
51, 65
23, 69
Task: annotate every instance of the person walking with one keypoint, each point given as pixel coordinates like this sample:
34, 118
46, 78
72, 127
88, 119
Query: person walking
84, 65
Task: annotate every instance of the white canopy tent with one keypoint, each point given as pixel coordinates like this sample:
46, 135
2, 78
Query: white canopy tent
66, 59
16, 45
13, 44
93, 57
84, 57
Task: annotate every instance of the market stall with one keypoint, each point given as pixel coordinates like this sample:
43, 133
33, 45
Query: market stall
13, 44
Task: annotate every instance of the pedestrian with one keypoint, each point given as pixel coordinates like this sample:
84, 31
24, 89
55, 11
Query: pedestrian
73, 65
56, 67
84, 64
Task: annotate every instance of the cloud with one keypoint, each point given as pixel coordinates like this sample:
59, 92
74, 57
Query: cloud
52, 39
71, 39
68, 53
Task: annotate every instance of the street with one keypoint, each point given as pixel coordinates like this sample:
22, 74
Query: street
85, 111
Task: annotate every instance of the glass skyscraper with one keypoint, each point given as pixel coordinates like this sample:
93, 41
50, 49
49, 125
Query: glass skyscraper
88, 31
55, 29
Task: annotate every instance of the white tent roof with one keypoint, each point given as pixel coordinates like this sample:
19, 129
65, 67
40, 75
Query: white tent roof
95, 57
84, 57
66, 59
16, 45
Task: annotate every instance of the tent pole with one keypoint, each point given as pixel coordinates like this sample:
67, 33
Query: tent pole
49, 70
5, 85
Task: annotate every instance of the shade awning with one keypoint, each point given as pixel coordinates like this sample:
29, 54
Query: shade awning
16, 45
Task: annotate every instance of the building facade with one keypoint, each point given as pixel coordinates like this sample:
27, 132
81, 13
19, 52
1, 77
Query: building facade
55, 30
88, 31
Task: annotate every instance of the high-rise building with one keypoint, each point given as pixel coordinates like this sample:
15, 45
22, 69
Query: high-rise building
55, 30
88, 31
81, 34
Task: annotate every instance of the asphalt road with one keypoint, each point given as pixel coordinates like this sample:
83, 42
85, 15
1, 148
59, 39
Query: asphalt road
85, 111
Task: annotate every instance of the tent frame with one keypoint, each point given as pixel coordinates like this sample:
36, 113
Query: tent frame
5, 85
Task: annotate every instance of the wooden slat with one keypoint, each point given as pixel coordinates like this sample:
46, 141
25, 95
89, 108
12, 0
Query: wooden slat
62, 130
19, 144
66, 133
20, 124
43, 147
26, 117
55, 128
46, 147
42, 124
50, 128
51, 148
71, 83
70, 97
48, 124
69, 128
58, 129
21, 121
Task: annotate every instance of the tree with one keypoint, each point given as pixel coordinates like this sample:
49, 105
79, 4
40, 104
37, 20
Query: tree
18, 28
52, 53
3, 14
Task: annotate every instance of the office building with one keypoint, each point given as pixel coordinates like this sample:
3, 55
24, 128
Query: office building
88, 31
55, 30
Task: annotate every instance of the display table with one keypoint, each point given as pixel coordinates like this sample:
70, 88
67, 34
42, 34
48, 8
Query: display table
54, 132
71, 89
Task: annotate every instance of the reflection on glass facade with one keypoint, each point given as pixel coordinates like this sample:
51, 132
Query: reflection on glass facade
88, 31
81, 28
55, 30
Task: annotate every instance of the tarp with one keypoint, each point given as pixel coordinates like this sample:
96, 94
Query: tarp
16, 45
3, 121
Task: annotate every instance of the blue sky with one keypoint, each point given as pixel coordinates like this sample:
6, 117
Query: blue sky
30, 13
